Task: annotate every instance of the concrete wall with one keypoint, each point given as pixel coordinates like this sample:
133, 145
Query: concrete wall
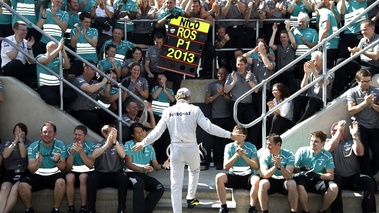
23, 104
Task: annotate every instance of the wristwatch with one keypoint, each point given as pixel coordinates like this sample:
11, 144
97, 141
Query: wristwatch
280, 168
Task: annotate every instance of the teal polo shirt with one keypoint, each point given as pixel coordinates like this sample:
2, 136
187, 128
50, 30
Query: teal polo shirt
319, 162
47, 153
288, 159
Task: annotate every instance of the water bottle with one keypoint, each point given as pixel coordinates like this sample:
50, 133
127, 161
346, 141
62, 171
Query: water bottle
212, 163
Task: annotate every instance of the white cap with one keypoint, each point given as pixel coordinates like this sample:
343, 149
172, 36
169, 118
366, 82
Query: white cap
184, 91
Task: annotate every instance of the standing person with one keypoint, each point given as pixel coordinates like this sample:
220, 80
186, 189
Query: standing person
78, 167
237, 83
241, 160
152, 59
318, 172
327, 26
277, 165
84, 40
161, 94
54, 22
286, 54
109, 163
181, 120
47, 161
141, 164
347, 171
362, 103
14, 154
221, 115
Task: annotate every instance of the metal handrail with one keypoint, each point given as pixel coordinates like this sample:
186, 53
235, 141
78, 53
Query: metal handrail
119, 85
322, 77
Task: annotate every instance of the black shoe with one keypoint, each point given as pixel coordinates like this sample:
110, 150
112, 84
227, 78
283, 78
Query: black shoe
31, 210
83, 209
192, 203
71, 209
219, 167
223, 210
54, 210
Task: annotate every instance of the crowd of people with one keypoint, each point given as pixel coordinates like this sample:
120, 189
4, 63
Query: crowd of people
97, 36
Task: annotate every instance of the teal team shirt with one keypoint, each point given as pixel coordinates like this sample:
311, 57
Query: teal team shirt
251, 152
121, 49
165, 12
25, 8
288, 159
6, 17
319, 163
83, 48
333, 27
143, 157
352, 6
88, 148
47, 153
106, 64
129, 6
44, 77
51, 28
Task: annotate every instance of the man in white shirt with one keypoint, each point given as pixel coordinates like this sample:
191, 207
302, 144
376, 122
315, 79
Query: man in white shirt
14, 62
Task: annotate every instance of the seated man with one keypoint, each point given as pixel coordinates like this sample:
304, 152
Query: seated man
13, 62
317, 168
240, 157
78, 167
368, 60
306, 106
85, 110
277, 166
131, 116
49, 84
47, 161
141, 163
109, 163
348, 175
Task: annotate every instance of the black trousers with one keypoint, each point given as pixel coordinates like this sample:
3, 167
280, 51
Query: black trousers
98, 180
22, 72
355, 182
304, 107
219, 143
51, 95
369, 139
93, 119
140, 182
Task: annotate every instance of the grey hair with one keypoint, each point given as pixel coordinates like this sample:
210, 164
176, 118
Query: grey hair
317, 53
304, 16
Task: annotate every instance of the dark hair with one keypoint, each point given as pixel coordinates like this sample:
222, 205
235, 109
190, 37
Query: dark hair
283, 89
158, 35
135, 49
84, 15
49, 123
22, 126
284, 32
117, 28
82, 128
362, 73
110, 46
18, 23
134, 64
135, 125
240, 127
319, 134
275, 138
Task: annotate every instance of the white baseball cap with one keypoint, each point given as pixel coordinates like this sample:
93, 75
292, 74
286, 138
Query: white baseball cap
184, 91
